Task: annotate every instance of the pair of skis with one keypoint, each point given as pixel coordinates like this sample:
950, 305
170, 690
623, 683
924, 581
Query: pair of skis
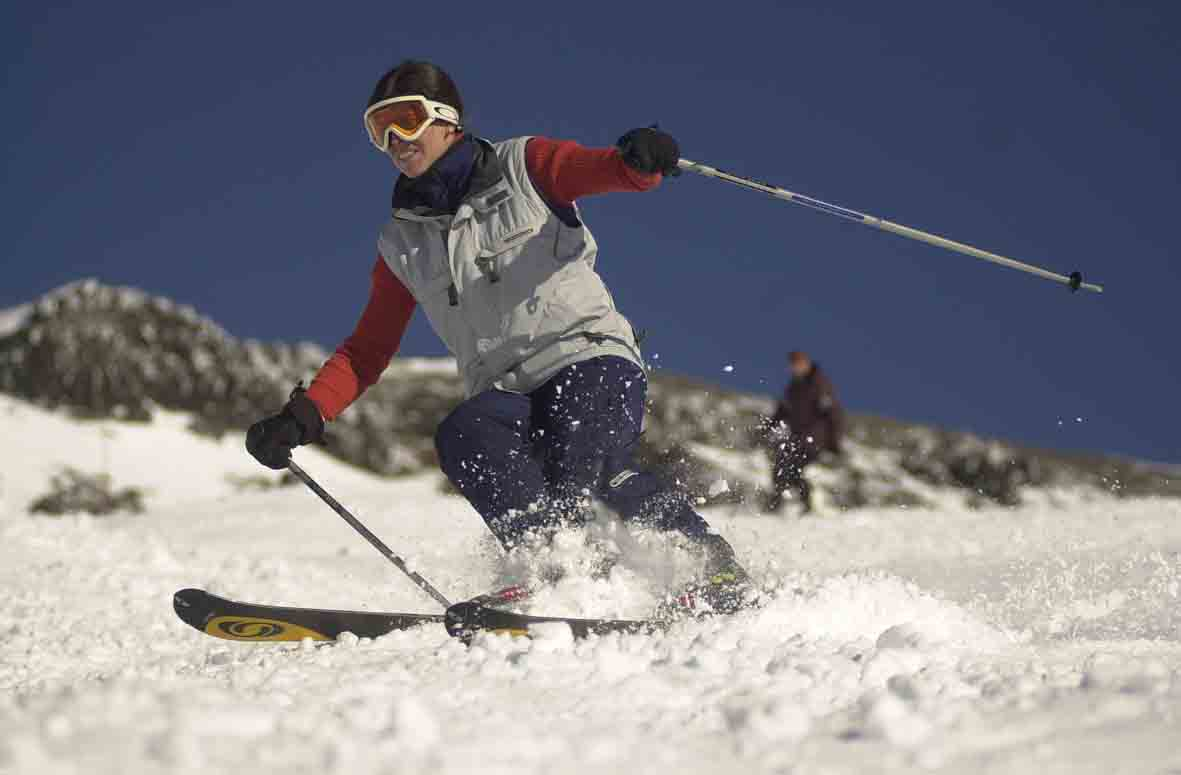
235, 620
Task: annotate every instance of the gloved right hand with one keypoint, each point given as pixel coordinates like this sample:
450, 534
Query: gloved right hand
272, 439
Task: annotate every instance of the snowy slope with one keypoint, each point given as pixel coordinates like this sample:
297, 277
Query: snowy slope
1044, 639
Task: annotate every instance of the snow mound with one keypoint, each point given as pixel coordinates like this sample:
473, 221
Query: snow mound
875, 608
13, 318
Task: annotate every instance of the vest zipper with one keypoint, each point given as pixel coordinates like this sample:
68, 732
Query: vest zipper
452, 291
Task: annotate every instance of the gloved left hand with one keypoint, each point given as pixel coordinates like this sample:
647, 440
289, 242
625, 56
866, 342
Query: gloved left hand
650, 150
271, 440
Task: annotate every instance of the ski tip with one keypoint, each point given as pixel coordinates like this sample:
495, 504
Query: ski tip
191, 606
188, 594
218, 617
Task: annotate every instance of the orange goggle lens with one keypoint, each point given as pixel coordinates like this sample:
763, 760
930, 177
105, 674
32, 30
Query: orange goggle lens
405, 118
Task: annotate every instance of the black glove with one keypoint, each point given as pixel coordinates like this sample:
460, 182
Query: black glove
650, 150
271, 440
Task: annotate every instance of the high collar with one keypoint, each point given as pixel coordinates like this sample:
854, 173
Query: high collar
447, 183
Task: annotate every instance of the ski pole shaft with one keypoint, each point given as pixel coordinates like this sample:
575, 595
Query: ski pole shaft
378, 544
1074, 280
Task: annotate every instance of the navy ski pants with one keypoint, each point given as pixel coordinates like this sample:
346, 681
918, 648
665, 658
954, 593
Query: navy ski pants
533, 461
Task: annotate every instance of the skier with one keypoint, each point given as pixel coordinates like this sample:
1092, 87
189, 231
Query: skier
808, 420
488, 239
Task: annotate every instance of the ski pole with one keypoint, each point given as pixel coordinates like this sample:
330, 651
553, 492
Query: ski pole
1074, 280
422, 583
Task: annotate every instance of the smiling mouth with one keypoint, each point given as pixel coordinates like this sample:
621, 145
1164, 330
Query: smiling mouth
407, 154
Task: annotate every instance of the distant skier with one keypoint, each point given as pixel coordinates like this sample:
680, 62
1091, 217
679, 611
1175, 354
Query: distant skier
487, 238
808, 420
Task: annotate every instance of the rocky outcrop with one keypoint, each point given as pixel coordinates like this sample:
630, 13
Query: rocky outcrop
102, 351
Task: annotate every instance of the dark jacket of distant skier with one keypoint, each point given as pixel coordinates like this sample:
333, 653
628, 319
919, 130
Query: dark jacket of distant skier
814, 422
487, 238
810, 408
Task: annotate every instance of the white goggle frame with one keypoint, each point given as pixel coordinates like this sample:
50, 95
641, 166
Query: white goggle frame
436, 111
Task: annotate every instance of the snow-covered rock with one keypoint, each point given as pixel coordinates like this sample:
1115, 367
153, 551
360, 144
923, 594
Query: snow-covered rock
113, 352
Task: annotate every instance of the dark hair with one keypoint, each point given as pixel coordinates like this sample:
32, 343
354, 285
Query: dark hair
418, 77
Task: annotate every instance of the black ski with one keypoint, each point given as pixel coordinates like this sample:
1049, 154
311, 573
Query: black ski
234, 620
465, 620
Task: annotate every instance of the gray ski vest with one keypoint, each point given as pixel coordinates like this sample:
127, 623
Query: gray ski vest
509, 288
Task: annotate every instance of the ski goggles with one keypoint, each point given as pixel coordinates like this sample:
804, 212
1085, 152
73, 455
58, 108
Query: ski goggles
406, 117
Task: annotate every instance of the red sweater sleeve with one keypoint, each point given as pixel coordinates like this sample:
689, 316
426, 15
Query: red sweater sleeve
564, 171
361, 358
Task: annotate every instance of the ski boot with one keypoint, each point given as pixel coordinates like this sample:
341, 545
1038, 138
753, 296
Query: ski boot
723, 588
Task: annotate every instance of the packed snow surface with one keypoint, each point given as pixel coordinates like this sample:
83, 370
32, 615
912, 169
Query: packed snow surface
1041, 640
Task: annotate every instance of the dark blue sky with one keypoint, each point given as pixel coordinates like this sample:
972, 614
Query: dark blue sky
214, 153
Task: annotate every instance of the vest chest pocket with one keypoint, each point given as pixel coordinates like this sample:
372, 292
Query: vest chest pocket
502, 284
499, 255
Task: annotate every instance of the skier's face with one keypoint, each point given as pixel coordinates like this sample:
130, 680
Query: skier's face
800, 367
416, 157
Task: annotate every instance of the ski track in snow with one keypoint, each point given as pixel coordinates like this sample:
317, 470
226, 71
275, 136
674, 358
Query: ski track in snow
1045, 639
